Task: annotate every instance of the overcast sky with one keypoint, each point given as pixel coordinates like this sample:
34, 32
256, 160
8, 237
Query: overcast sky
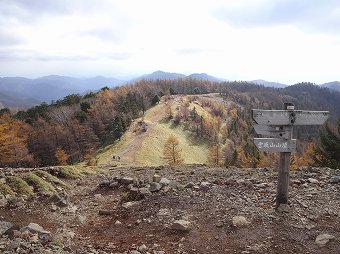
287, 41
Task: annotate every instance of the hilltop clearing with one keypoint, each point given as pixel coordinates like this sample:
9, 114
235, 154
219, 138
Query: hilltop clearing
184, 209
143, 142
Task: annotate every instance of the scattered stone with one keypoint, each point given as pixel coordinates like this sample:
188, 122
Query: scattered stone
15, 244
54, 208
296, 181
143, 248
163, 212
261, 185
154, 187
335, 179
205, 185
104, 184
219, 224
137, 194
4, 226
126, 180
323, 239
156, 178
158, 252
164, 181
15, 201
36, 228
166, 189
283, 208
181, 225
240, 221
59, 201
134, 252
189, 185
81, 219
144, 191
114, 184
98, 196
130, 204
312, 180
117, 223
3, 202
63, 235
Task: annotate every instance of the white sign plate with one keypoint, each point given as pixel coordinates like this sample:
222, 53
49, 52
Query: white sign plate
275, 144
273, 131
287, 117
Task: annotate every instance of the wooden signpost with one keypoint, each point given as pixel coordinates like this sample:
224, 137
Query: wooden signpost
277, 126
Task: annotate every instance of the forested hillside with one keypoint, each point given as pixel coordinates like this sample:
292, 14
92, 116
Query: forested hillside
77, 126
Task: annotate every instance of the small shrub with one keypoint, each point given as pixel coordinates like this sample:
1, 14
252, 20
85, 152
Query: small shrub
6, 190
19, 186
90, 160
38, 183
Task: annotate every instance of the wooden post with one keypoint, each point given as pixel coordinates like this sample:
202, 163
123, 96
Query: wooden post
277, 125
284, 164
283, 179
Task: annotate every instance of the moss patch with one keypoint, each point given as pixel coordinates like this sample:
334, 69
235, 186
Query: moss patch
6, 190
38, 183
50, 178
70, 172
19, 186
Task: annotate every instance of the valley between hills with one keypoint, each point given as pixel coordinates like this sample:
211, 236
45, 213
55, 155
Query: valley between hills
131, 202
90, 174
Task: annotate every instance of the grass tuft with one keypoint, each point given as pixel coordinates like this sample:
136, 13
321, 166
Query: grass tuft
50, 178
38, 183
6, 190
19, 185
71, 172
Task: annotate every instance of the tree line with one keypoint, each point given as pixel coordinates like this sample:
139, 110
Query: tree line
73, 128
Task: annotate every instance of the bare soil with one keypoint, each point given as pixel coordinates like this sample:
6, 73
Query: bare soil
314, 208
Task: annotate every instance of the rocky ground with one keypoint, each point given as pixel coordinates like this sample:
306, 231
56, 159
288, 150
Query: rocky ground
185, 209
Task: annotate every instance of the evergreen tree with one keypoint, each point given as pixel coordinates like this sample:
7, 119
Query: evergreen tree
155, 99
328, 153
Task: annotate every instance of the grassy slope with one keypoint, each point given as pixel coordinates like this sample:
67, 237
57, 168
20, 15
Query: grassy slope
146, 148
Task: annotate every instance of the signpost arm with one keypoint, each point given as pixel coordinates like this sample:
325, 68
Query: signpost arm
279, 124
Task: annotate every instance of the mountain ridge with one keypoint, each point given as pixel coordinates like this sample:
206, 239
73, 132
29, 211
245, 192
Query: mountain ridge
335, 85
268, 83
30, 92
49, 88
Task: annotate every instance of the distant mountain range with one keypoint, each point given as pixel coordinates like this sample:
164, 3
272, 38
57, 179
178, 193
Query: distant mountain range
172, 76
268, 83
335, 85
24, 92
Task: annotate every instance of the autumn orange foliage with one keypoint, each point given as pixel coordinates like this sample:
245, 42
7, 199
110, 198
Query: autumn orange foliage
13, 141
172, 152
61, 156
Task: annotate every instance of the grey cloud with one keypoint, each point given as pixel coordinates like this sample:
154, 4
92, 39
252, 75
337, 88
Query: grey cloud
120, 56
31, 55
105, 34
7, 39
65, 58
189, 51
30, 11
311, 15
